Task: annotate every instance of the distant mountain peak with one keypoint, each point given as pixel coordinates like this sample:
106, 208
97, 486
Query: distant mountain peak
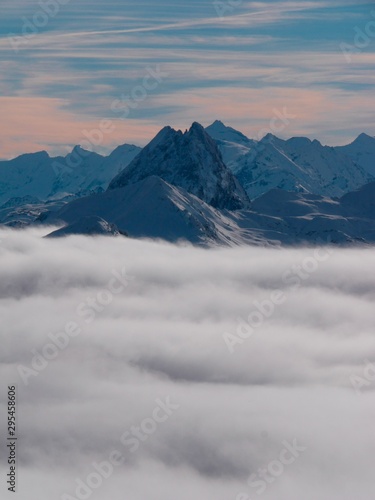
301, 141
364, 139
39, 155
362, 152
270, 138
219, 131
81, 151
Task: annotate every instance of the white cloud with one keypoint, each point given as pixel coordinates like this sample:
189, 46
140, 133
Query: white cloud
162, 337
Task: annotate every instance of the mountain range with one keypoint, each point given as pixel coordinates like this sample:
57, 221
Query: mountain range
205, 186
46, 178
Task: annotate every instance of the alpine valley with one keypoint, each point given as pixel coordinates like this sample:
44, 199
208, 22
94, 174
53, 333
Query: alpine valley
210, 186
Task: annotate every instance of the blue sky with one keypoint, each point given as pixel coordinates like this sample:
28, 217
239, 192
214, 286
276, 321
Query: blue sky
239, 61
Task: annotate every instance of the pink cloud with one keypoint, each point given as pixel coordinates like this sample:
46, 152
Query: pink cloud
317, 113
31, 124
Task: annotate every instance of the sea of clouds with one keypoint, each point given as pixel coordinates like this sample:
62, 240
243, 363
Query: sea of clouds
151, 371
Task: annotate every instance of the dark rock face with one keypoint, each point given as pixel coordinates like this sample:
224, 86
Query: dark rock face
189, 160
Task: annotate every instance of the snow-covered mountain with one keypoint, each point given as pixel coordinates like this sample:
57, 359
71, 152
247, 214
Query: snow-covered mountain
223, 133
179, 188
40, 176
153, 208
362, 152
306, 218
301, 165
297, 164
26, 175
233, 144
191, 161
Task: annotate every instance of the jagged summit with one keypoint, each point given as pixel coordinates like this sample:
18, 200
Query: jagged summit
190, 160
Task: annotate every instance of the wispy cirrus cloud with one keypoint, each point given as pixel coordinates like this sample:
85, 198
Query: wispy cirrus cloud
87, 57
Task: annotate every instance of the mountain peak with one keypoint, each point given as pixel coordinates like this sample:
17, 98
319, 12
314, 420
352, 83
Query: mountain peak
39, 155
190, 161
270, 138
165, 134
221, 132
218, 125
196, 128
300, 142
364, 139
80, 151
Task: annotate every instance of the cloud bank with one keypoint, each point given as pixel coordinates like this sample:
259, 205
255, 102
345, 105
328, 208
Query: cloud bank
143, 398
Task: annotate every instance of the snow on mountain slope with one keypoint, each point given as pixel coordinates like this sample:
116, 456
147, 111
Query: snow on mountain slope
280, 203
79, 171
83, 171
179, 188
91, 225
306, 218
20, 214
300, 165
362, 152
152, 208
221, 132
232, 144
40, 176
27, 175
189, 160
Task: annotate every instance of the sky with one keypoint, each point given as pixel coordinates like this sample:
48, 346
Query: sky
176, 331
142, 65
